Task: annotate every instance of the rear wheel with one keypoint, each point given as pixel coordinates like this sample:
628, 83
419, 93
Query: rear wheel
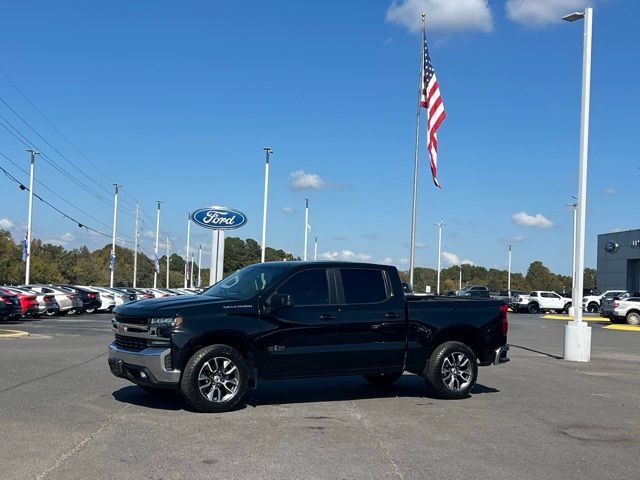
533, 308
383, 379
452, 370
593, 307
215, 379
633, 318
90, 310
51, 313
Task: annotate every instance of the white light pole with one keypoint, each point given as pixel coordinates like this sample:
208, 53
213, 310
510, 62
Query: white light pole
315, 249
577, 334
167, 262
267, 152
509, 274
573, 254
199, 264
186, 260
30, 216
460, 279
191, 272
135, 248
439, 224
155, 260
306, 227
112, 260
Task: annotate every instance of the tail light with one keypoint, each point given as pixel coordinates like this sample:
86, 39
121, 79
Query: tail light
71, 297
616, 304
503, 319
91, 295
49, 298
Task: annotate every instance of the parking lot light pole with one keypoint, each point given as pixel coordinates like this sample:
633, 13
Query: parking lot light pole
267, 152
155, 260
186, 260
460, 279
509, 274
573, 259
29, 217
315, 249
136, 246
112, 260
439, 224
577, 334
167, 262
306, 227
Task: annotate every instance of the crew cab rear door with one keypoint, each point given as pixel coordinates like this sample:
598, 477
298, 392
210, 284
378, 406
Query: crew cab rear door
372, 320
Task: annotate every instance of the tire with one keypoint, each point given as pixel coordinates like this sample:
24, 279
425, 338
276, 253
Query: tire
566, 308
438, 372
533, 308
383, 379
51, 313
211, 372
156, 390
593, 307
90, 310
633, 318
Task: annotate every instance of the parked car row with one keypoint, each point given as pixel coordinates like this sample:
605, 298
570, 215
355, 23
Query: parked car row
35, 300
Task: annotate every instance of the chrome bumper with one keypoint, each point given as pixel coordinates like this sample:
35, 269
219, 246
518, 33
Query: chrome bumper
501, 355
150, 361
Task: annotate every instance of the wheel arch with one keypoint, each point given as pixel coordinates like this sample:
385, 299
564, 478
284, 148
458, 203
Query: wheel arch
235, 340
467, 334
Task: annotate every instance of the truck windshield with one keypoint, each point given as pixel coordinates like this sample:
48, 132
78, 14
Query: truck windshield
245, 283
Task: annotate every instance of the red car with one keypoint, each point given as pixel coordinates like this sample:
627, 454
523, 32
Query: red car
28, 302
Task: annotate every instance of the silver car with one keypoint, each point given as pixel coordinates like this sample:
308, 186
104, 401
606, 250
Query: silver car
68, 302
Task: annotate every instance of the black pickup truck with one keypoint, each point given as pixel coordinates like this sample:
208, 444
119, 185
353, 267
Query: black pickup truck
304, 319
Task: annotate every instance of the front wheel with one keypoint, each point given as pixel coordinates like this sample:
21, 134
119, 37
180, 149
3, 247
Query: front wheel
593, 308
90, 310
452, 370
215, 379
382, 379
533, 308
633, 318
51, 313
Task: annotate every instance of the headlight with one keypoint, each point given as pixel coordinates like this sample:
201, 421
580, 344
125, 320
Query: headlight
168, 321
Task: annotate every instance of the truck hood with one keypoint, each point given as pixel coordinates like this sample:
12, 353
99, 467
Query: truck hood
169, 306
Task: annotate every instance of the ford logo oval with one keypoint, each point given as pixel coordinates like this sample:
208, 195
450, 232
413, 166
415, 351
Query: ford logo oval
219, 218
611, 247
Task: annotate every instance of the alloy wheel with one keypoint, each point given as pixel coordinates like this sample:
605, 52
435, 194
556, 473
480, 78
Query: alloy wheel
456, 371
219, 379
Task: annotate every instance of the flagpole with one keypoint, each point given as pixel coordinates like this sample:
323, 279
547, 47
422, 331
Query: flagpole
186, 263
191, 272
112, 259
415, 167
156, 266
199, 265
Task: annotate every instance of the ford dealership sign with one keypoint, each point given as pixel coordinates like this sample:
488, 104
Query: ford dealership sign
219, 218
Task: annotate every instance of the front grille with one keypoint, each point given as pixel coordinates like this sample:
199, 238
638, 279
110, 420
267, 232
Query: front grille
132, 320
131, 343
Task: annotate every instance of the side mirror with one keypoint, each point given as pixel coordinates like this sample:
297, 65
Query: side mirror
280, 300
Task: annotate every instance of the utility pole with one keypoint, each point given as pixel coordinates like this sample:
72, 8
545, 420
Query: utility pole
267, 151
167, 262
509, 275
186, 260
137, 245
315, 249
577, 334
199, 265
306, 227
112, 260
156, 265
439, 224
30, 216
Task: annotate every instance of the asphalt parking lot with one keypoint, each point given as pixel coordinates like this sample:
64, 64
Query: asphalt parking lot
64, 416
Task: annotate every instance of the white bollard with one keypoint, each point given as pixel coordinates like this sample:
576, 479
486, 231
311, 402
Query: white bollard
577, 342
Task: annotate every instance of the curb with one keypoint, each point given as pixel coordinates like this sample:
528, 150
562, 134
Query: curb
570, 319
625, 328
13, 334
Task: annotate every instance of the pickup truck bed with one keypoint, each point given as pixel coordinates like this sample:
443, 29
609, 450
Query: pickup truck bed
304, 319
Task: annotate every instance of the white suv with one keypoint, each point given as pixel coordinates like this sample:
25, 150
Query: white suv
627, 309
591, 303
542, 301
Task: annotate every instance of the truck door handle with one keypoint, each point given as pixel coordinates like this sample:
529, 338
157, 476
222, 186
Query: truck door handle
327, 316
378, 326
391, 315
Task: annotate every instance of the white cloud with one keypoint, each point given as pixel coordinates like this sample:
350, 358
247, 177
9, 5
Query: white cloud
610, 191
442, 14
537, 221
453, 259
404, 261
537, 13
68, 237
149, 234
345, 255
386, 261
289, 210
301, 180
6, 224
421, 245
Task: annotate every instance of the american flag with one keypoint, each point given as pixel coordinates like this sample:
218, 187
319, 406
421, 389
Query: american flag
431, 100
25, 247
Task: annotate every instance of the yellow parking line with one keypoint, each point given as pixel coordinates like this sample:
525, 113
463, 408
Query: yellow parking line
568, 318
626, 328
13, 334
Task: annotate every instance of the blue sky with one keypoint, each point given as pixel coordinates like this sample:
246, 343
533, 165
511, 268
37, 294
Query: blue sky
175, 100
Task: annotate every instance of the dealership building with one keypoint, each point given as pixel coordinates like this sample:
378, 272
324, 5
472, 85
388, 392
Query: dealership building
619, 261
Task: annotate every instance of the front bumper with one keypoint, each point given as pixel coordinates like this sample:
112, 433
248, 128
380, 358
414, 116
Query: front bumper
146, 367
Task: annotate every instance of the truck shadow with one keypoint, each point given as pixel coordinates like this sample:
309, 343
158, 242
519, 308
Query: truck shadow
282, 392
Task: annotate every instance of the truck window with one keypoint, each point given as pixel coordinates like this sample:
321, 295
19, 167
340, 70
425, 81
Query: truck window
309, 287
363, 285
